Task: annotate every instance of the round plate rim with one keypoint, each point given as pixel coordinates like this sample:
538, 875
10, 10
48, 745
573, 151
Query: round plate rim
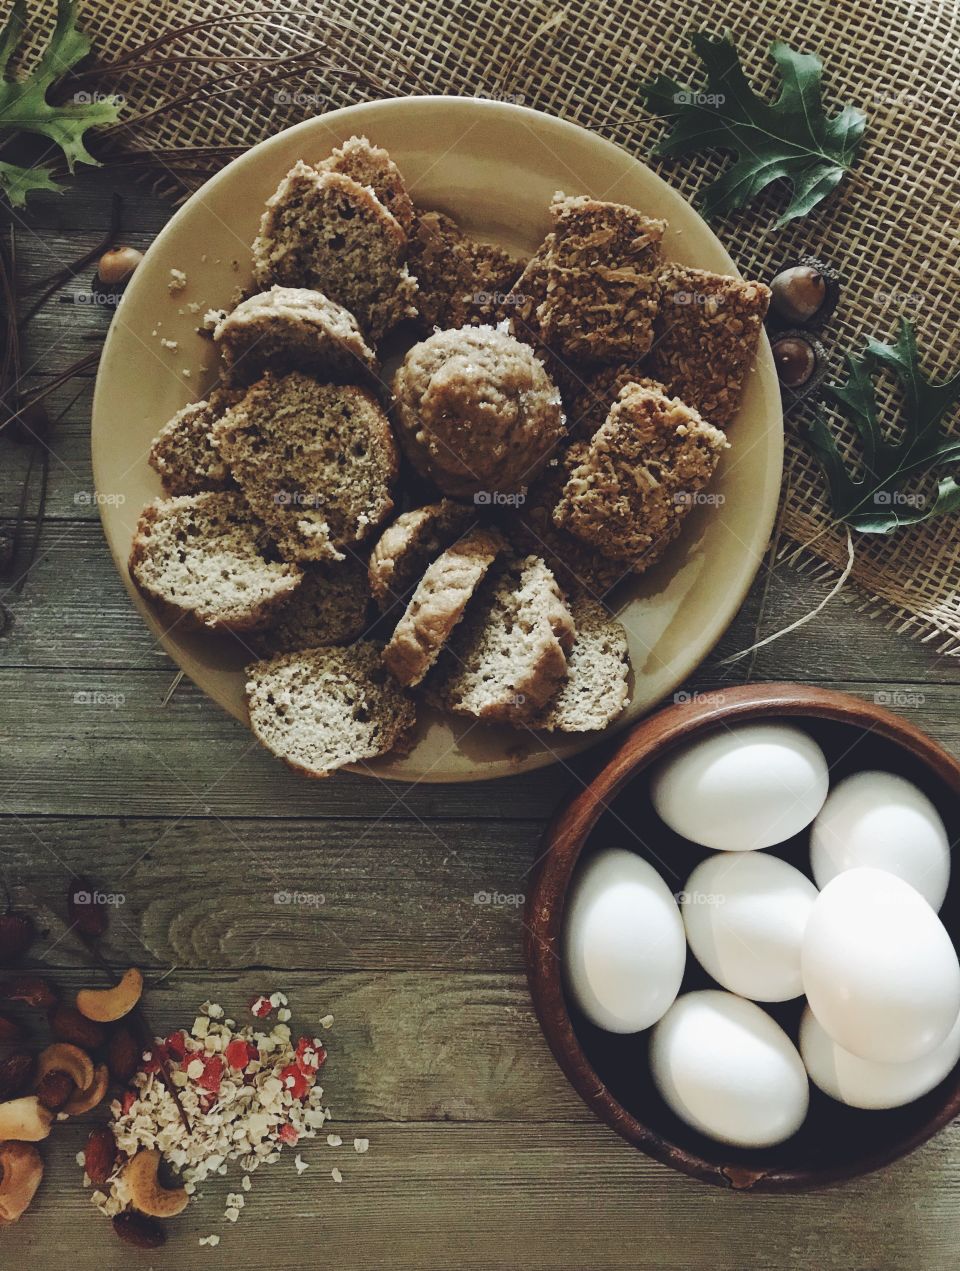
769, 495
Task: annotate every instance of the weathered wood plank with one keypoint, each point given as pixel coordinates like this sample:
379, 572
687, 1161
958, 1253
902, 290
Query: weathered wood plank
405, 1046
289, 895
130, 756
489, 1197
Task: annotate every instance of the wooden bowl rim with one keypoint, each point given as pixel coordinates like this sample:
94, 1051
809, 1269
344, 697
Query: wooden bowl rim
562, 843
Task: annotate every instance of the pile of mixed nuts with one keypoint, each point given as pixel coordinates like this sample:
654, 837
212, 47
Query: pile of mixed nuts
192, 1102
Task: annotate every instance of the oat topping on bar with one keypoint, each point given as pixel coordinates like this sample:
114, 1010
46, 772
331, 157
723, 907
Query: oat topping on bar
602, 281
632, 484
707, 330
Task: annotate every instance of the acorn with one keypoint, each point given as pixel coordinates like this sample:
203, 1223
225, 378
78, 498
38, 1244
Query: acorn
115, 268
800, 359
805, 294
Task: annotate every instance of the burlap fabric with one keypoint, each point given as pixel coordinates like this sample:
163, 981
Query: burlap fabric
893, 229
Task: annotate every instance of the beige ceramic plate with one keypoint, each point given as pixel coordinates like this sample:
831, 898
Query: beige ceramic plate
494, 167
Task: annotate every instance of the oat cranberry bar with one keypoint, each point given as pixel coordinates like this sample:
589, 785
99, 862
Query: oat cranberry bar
707, 330
602, 281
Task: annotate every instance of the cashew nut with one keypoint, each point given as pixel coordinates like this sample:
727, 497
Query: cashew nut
21, 1169
65, 1057
83, 1100
25, 1119
145, 1190
106, 1005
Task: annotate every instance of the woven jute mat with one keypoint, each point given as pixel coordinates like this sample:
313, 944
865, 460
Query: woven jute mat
893, 229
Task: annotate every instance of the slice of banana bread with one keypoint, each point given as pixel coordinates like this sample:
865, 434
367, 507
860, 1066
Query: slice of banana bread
371, 165
206, 555
438, 604
316, 462
595, 690
331, 606
323, 231
293, 329
632, 484
410, 544
602, 275
507, 658
184, 455
322, 708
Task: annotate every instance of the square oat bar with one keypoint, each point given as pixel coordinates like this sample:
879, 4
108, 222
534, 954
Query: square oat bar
707, 329
633, 482
602, 281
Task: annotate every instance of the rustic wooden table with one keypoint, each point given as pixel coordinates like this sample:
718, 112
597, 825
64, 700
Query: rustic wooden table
480, 1156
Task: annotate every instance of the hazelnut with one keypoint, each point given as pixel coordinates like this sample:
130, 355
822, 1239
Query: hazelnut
29, 424
116, 266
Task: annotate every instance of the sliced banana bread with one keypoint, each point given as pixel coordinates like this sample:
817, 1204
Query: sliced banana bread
577, 566
331, 606
462, 282
294, 329
322, 708
632, 484
205, 555
316, 462
438, 604
507, 659
595, 690
184, 455
408, 546
707, 330
371, 165
602, 273
324, 231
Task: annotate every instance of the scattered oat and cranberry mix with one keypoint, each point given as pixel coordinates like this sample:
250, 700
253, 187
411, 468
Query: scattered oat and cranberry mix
247, 1094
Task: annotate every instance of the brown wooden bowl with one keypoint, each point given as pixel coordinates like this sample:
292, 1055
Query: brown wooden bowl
609, 1071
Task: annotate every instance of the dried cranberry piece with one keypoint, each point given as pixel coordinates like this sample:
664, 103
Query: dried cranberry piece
294, 1081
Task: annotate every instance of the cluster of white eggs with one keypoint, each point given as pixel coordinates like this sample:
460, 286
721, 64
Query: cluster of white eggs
862, 942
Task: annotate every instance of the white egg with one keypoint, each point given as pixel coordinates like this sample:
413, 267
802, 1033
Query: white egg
742, 788
624, 949
745, 914
862, 1083
882, 821
879, 969
730, 1071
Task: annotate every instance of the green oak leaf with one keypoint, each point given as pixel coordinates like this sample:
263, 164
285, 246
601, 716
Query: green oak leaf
792, 138
24, 106
876, 503
16, 182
